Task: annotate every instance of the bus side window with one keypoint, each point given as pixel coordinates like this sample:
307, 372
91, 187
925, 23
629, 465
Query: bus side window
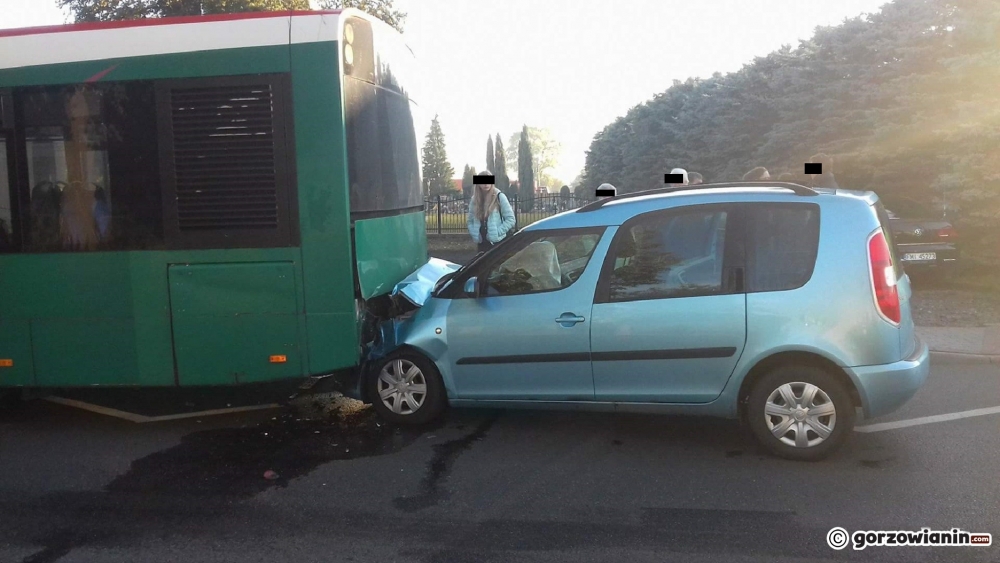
92, 168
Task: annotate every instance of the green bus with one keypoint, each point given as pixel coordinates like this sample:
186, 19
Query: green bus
211, 200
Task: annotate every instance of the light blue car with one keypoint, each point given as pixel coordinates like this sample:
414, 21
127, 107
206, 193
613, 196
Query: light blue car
773, 302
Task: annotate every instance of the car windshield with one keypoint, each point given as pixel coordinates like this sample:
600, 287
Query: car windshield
908, 208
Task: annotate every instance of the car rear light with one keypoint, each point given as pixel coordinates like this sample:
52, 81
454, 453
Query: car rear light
883, 278
947, 233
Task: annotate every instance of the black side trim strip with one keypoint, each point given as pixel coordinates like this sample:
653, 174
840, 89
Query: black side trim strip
678, 354
526, 359
362, 215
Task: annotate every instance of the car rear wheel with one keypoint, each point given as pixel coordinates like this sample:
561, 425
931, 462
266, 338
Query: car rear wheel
800, 412
406, 388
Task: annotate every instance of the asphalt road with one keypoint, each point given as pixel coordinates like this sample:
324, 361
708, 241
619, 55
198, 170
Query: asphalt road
489, 486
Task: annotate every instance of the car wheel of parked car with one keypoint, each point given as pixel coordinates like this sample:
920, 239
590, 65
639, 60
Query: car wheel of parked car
407, 388
800, 412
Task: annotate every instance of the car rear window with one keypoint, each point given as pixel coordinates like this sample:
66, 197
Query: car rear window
782, 244
883, 219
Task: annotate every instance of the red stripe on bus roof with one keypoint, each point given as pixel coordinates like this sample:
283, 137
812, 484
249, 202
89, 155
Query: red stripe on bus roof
156, 21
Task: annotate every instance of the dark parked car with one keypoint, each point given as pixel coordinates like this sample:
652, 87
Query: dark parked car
925, 240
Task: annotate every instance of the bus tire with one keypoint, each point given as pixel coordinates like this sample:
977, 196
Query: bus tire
406, 388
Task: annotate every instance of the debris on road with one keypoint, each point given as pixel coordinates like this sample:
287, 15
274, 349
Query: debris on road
323, 405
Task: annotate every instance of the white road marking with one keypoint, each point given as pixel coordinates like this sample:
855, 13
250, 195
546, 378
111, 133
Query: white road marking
926, 420
213, 412
141, 419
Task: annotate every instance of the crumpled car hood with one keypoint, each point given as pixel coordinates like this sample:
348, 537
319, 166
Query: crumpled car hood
417, 287
410, 295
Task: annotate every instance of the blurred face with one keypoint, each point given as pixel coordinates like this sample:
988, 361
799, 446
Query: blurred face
485, 187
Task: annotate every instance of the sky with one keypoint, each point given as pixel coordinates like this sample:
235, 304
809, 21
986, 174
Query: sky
571, 66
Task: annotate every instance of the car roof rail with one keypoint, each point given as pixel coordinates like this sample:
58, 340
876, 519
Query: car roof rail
799, 190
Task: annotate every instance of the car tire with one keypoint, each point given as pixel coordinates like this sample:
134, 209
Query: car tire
403, 405
780, 433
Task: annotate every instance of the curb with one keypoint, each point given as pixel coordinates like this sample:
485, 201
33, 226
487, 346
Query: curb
964, 358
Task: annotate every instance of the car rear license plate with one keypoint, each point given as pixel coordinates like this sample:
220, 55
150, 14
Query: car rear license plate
920, 256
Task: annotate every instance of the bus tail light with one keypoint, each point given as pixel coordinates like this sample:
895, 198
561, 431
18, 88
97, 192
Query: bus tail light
358, 49
278, 359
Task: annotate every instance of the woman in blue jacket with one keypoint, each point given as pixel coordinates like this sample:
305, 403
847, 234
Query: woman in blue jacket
490, 215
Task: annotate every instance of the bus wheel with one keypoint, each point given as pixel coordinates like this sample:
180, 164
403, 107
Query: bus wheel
407, 388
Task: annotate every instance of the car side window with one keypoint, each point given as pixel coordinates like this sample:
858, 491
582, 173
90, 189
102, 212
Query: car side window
551, 262
783, 240
670, 255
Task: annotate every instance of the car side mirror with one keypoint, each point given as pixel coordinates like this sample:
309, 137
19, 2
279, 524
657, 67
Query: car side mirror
472, 286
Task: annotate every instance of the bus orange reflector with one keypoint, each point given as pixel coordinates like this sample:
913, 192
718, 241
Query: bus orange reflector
278, 359
6, 363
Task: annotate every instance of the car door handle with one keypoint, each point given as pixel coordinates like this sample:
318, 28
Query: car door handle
569, 319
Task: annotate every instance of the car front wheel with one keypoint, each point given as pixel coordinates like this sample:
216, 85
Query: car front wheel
407, 388
800, 413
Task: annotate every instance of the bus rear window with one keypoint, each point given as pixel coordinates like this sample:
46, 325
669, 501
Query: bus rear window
383, 167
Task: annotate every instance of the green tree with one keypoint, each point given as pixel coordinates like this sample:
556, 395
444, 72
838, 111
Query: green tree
467, 185
381, 9
436, 169
545, 151
499, 160
903, 99
525, 174
550, 181
114, 10
490, 156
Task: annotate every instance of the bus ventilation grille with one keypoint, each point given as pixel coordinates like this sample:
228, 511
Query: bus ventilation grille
224, 157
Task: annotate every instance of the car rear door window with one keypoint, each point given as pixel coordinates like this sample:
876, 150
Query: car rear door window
782, 244
670, 255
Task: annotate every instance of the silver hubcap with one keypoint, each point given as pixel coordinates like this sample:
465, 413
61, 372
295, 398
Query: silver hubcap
800, 414
402, 387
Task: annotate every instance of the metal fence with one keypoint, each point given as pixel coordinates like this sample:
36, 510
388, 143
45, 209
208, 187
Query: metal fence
446, 214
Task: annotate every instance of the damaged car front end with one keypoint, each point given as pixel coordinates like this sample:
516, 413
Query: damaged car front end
392, 325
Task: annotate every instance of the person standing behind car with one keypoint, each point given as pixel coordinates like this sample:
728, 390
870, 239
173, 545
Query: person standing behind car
826, 179
490, 214
758, 174
684, 177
